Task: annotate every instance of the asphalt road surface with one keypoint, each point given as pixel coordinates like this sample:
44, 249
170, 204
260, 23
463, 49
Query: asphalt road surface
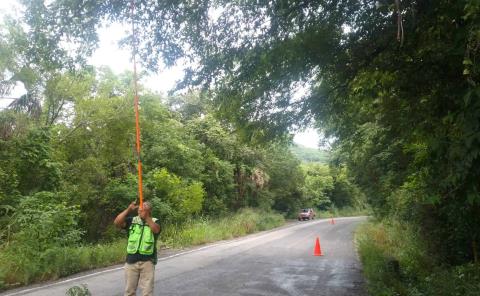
273, 263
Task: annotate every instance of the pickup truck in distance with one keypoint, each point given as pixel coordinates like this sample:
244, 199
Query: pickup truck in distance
306, 214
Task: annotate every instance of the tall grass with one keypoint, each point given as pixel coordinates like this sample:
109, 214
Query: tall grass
20, 268
343, 212
206, 230
395, 262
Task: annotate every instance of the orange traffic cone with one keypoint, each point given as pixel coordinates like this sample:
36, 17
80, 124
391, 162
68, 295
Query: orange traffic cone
332, 221
317, 251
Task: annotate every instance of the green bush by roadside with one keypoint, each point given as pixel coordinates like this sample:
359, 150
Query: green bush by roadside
343, 212
78, 291
20, 268
204, 230
396, 263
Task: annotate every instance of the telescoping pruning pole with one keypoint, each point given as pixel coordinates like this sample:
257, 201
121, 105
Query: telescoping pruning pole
137, 115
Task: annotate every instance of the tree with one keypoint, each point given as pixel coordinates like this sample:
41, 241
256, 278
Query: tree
31, 55
286, 179
253, 54
318, 185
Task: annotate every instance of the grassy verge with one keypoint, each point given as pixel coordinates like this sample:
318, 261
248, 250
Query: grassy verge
343, 212
395, 263
19, 265
203, 231
21, 268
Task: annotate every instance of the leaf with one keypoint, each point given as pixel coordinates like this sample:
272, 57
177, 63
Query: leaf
467, 61
432, 199
473, 198
467, 97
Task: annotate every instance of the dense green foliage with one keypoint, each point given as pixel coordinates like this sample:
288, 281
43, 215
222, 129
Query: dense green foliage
327, 188
307, 154
191, 165
409, 123
397, 262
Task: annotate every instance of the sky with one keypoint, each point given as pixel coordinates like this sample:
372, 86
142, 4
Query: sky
119, 60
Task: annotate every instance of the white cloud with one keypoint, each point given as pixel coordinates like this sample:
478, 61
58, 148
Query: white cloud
9, 7
308, 138
120, 59
109, 53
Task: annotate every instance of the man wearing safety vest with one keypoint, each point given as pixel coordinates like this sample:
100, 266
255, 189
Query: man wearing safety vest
142, 231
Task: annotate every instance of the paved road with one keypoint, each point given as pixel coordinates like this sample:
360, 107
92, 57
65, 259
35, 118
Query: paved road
274, 263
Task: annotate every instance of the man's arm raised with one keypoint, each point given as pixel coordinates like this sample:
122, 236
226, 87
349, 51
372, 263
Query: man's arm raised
120, 219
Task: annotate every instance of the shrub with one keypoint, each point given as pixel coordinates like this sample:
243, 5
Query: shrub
384, 245
78, 291
174, 198
206, 230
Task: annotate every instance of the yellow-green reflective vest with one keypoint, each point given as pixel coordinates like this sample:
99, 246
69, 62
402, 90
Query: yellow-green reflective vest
140, 237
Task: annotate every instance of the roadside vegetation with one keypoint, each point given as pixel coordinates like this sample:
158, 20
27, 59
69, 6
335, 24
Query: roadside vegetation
397, 261
209, 230
343, 212
331, 191
54, 262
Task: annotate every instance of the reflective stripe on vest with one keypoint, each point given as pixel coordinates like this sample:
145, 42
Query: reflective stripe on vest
140, 238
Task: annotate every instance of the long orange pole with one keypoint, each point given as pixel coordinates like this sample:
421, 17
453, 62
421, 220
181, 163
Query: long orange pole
137, 115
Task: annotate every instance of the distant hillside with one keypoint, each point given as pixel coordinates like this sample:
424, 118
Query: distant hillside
306, 154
